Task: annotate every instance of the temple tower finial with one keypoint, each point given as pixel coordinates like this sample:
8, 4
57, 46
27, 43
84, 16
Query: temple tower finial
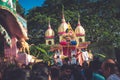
49, 26
63, 17
79, 19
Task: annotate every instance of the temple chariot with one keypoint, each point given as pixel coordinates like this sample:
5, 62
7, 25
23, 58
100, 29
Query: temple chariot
71, 42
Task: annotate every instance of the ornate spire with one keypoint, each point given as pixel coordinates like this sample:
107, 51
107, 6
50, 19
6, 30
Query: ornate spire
49, 32
63, 18
49, 26
79, 29
79, 19
63, 26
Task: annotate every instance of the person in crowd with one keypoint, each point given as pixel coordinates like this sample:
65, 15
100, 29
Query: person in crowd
76, 71
66, 72
55, 73
0, 75
73, 56
85, 68
95, 67
73, 59
57, 58
110, 70
40, 71
79, 57
73, 52
14, 74
85, 54
90, 55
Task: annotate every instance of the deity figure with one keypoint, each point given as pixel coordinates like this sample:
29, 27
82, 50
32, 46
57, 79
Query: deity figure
23, 46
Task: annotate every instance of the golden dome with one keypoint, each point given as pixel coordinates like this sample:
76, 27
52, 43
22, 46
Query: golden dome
79, 31
62, 28
49, 33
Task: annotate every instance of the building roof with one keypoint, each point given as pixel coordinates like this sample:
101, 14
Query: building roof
79, 31
49, 32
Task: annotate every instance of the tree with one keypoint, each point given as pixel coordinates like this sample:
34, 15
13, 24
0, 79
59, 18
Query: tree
20, 10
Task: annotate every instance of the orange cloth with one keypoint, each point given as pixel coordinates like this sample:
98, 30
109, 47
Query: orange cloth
80, 58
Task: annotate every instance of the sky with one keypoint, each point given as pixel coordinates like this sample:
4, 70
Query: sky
28, 4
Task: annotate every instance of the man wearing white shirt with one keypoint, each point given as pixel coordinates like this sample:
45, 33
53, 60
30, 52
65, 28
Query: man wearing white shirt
85, 55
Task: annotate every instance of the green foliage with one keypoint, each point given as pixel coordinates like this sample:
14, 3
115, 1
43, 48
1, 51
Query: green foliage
41, 52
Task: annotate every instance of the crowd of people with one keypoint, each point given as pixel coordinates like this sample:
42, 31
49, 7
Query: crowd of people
94, 70
76, 56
